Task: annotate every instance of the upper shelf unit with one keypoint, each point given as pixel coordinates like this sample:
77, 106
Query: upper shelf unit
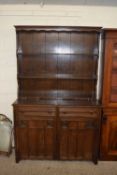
57, 59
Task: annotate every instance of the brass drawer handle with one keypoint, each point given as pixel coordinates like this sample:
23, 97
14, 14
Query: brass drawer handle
49, 124
22, 124
49, 112
64, 112
91, 125
64, 124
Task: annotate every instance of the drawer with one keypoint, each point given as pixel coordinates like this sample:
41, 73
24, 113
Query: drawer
34, 112
78, 112
38, 108
109, 111
34, 115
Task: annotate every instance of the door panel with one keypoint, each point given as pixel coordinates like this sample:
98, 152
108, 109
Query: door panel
109, 138
77, 142
42, 137
21, 142
110, 73
78, 135
35, 134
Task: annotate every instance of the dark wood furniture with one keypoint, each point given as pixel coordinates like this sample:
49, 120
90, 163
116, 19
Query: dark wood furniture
57, 114
109, 120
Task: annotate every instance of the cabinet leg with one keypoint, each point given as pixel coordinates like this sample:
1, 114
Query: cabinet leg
95, 161
17, 159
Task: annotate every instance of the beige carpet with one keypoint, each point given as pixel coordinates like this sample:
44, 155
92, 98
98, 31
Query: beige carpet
9, 167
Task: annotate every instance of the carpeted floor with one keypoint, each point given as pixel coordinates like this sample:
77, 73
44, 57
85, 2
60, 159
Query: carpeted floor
9, 167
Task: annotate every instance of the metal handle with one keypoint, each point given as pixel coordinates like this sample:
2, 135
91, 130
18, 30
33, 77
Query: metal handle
49, 124
91, 125
64, 124
22, 124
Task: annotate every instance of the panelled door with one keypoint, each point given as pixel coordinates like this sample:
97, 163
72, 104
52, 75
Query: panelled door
78, 134
109, 137
110, 73
36, 135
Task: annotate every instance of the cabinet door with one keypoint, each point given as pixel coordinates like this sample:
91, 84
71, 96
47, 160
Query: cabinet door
35, 135
42, 139
110, 73
109, 138
21, 140
78, 135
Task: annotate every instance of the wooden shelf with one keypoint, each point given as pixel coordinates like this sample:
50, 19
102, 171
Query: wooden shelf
38, 54
57, 96
80, 102
58, 76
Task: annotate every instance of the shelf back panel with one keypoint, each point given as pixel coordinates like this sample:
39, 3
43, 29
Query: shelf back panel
57, 64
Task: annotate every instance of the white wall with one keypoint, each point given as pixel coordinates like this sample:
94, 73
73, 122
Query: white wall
35, 15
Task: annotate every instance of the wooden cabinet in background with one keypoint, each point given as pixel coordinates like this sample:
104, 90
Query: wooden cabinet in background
108, 149
110, 69
109, 135
57, 113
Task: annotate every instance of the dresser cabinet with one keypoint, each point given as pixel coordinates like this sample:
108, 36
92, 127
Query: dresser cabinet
57, 114
108, 149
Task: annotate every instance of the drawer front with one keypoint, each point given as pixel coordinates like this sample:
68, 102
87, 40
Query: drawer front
34, 115
110, 111
37, 112
38, 108
79, 112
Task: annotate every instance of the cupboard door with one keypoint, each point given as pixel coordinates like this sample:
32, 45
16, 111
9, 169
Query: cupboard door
41, 139
78, 137
35, 136
36, 139
109, 138
110, 73
21, 140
